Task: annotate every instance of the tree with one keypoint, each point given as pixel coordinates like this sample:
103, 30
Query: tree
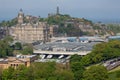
43, 71
86, 60
18, 46
27, 49
8, 74
21, 73
102, 52
9, 23
64, 75
96, 73
5, 49
38, 71
77, 67
75, 58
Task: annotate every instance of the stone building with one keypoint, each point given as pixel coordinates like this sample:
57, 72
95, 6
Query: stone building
29, 32
3, 32
16, 61
87, 28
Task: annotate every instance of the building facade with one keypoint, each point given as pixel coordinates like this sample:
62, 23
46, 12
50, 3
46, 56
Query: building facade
3, 32
16, 61
29, 32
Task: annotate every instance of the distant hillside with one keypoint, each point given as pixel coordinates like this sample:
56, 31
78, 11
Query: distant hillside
106, 29
71, 26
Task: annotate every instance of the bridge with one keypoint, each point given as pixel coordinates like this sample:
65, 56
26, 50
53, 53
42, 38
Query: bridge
82, 53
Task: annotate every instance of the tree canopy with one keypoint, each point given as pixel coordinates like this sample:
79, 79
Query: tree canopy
96, 73
5, 49
37, 71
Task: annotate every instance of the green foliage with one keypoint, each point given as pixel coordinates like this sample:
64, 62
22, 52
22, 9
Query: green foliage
24, 49
96, 73
108, 50
67, 28
109, 28
21, 73
114, 27
9, 23
27, 49
96, 27
114, 75
8, 74
86, 60
37, 71
43, 70
8, 39
102, 52
18, 46
5, 49
75, 58
42, 19
86, 21
118, 74
71, 30
77, 67
57, 19
64, 75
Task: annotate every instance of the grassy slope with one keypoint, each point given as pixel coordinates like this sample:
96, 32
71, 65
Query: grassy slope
113, 74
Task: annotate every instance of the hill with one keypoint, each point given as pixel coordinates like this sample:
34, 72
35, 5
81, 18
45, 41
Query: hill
71, 26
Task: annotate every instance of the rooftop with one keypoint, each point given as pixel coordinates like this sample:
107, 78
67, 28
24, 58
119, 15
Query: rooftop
70, 46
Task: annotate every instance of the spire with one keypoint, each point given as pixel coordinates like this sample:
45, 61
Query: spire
21, 10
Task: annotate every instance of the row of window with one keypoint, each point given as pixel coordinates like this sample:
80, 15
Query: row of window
13, 65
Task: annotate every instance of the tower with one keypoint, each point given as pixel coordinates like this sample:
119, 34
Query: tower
57, 12
20, 17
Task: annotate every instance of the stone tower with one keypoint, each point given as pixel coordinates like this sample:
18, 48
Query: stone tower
57, 12
20, 17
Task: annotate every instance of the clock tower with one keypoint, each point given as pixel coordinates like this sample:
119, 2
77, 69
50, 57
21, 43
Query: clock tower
20, 17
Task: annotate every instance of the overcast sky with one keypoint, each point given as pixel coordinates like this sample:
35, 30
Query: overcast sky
95, 10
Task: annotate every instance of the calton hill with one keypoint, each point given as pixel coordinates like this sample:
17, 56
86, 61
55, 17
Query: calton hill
70, 26
88, 67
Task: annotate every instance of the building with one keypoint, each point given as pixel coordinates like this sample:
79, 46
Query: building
20, 17
68, 48
55, 14
86, 28
16, 61
27, 31
114, 38
3, 32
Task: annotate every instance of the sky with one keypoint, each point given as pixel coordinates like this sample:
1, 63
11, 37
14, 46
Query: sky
95, 10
